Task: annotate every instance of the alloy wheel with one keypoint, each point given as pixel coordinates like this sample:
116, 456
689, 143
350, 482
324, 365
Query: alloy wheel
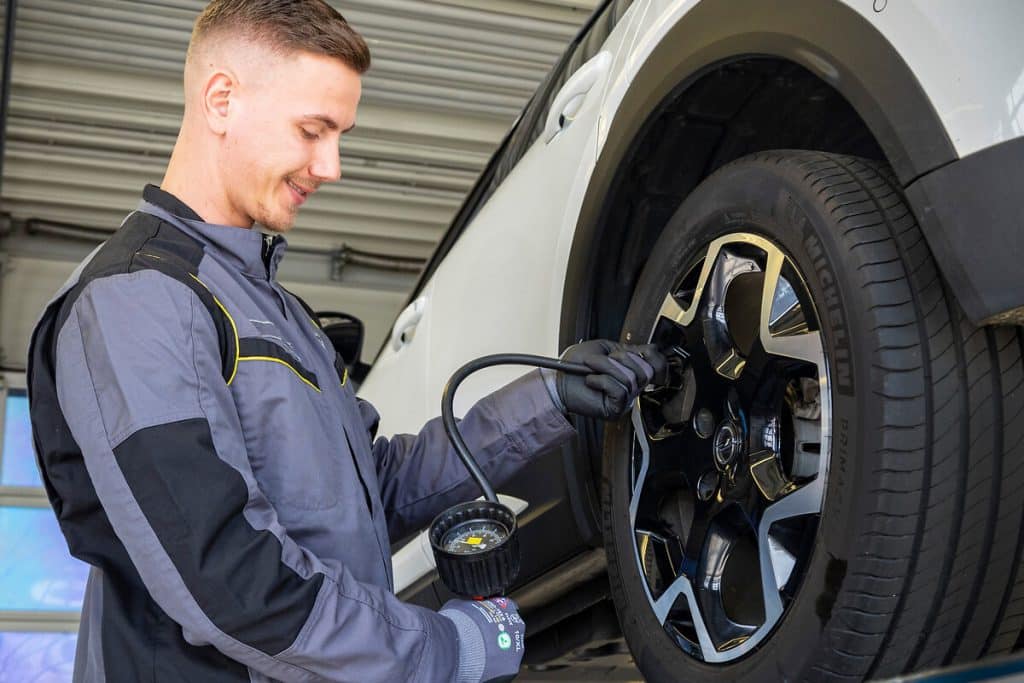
730, 461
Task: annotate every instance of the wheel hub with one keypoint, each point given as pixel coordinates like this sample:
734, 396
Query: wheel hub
728, 445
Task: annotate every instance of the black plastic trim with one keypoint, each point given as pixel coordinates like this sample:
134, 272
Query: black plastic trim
972, 214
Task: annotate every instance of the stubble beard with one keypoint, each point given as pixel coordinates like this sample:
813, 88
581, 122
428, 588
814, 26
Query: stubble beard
281, 223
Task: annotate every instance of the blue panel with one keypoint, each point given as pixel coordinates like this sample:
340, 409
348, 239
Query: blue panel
36, 572
37, 657
19, 460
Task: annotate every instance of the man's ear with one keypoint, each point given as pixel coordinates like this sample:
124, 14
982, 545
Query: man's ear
217, 99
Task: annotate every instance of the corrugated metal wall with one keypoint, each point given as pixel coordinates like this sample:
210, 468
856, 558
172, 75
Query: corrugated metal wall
96, 103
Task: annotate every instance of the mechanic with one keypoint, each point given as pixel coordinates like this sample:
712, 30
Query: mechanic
198, 437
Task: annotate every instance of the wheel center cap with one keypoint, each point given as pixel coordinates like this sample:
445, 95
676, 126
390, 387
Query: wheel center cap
728, 444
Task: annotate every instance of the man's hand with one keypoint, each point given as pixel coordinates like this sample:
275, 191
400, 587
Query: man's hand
491, 638
620, 372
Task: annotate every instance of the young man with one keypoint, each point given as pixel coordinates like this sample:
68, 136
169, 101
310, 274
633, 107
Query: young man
199, 440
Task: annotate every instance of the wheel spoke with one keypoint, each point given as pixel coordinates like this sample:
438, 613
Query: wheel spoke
640, 434
671, 310
711, 583
768, 475
660, 559
716, 632
806, 500
726, 360
806, 346
685, 316
663, 605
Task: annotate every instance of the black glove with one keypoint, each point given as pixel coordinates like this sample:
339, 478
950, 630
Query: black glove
621, 371
491, 638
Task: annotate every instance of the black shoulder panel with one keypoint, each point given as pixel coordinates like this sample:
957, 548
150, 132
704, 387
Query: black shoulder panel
146, 242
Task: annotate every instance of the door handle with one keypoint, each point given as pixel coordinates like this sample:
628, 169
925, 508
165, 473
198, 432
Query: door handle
569, 100
405, 325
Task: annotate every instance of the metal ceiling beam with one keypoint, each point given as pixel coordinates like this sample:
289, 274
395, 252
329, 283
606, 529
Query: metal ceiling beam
562, 11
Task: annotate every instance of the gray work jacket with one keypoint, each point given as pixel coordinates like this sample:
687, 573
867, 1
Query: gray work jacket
238, 513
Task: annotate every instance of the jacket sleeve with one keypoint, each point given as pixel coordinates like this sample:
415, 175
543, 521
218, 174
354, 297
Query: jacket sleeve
421, 474
140, 385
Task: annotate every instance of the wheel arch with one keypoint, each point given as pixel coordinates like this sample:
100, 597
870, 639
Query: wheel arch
823, 44
828, 39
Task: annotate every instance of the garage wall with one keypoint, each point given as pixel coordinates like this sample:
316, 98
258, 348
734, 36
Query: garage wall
96, 102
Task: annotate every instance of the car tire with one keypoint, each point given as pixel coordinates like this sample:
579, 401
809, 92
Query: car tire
914, 560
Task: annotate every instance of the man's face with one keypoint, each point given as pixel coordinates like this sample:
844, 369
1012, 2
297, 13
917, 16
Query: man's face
282, 141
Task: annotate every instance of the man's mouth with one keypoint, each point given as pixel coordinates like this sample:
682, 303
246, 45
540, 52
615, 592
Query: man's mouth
301, 192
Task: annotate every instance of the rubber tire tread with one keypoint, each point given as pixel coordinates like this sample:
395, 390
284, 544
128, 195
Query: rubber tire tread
968, 486
1010, 343
903, 295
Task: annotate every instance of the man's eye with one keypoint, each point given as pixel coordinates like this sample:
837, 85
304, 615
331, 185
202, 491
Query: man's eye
309, 136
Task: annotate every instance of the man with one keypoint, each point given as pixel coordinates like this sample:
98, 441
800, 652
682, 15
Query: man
199, 441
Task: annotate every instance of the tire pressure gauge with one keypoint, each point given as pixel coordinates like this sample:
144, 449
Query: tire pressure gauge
474, 537
476, 548
474, 543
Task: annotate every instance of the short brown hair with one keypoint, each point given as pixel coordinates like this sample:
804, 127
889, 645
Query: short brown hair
286, 26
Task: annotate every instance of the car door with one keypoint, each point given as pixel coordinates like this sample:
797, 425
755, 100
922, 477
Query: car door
496, 289
396, 385
411, 369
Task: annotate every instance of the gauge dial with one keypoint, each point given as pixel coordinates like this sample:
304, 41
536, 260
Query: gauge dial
474, 536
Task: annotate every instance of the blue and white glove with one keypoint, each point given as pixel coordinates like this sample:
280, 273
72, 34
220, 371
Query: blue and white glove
491, 639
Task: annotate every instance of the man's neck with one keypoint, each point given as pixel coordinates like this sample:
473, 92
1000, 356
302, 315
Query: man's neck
197, 184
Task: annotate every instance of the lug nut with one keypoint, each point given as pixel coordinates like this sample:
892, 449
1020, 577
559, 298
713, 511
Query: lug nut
704, 423
707, 485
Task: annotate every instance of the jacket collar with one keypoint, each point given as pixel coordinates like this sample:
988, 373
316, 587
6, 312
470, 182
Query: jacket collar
248, 250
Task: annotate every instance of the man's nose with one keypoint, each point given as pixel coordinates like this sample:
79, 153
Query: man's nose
327, 164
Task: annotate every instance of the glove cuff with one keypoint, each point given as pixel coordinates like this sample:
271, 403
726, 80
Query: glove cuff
472, 652
550, 378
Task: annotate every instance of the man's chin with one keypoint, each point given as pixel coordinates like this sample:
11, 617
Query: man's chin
278, 224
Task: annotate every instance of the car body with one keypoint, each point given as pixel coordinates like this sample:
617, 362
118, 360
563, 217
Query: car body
539, 256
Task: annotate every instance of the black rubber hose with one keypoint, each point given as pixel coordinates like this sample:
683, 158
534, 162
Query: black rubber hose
448, 413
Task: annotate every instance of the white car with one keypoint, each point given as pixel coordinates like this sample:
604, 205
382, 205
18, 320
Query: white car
815, 207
